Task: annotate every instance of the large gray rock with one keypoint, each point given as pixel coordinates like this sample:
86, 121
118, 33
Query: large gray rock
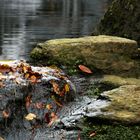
107, 53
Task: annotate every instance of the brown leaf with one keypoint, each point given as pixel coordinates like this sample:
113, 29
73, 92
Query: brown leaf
54, 118
49, 106
5, 114
55, 87
33, 79
5, 69
85, 69
28, 101
92, 134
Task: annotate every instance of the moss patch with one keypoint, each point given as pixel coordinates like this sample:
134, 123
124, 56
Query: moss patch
104, 131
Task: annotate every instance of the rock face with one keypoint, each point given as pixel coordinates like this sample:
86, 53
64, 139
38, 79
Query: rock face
106, 53
125, 105
121, 19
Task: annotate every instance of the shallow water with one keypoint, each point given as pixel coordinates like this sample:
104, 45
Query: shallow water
23, 23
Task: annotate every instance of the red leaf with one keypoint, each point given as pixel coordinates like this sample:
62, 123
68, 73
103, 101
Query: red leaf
85, 69
47, 118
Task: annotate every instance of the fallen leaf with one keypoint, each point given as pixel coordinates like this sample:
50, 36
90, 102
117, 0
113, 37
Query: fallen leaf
54, 118
47, 118
5, 69
55, 87
33, 79
28, 101
49, 106
5, 114
30, 116
67, 88
85, 69
92, 134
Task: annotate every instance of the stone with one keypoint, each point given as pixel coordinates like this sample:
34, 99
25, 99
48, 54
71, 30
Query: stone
124, 104
110, 54
121, 19
119, 81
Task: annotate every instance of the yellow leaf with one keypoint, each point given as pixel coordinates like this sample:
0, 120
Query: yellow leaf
49, 106
30, 116
67, 88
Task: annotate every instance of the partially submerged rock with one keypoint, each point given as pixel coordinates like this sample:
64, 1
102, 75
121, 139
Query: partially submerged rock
111, 55
27, 89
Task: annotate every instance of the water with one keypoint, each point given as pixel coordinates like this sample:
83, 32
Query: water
24, 23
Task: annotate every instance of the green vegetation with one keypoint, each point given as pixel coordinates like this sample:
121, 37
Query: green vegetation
110, 131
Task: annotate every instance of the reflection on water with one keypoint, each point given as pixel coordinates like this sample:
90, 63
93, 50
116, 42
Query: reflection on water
23, 23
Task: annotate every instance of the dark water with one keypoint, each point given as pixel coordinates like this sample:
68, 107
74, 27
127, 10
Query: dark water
23, 23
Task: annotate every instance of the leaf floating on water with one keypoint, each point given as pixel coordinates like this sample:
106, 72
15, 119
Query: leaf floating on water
85, 69
30, 116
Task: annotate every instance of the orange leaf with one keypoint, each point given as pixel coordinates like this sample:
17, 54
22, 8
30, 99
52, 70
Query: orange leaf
53, 119
85, 69
5, 114
33, 79
55, 87
49, 106
92, 134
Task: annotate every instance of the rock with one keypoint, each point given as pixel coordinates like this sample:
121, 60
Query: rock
1, 138
28, 89
124, 106
119, 81
106, 53
121, 19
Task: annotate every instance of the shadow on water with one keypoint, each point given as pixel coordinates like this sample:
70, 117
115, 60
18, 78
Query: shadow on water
24, 23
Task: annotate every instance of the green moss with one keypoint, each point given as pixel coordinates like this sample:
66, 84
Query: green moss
110, 131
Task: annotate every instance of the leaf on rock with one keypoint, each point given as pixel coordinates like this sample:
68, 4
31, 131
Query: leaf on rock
53, 119
49, 106
67, 88
47, 118
33, 79
85, 69
5, 114
28, 101
30, 116
5, 69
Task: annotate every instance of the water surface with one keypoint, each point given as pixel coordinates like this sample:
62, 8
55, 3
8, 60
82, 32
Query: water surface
24, 23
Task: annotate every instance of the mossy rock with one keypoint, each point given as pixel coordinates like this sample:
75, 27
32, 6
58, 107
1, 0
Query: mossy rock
121, 19
124, 104
106, 53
